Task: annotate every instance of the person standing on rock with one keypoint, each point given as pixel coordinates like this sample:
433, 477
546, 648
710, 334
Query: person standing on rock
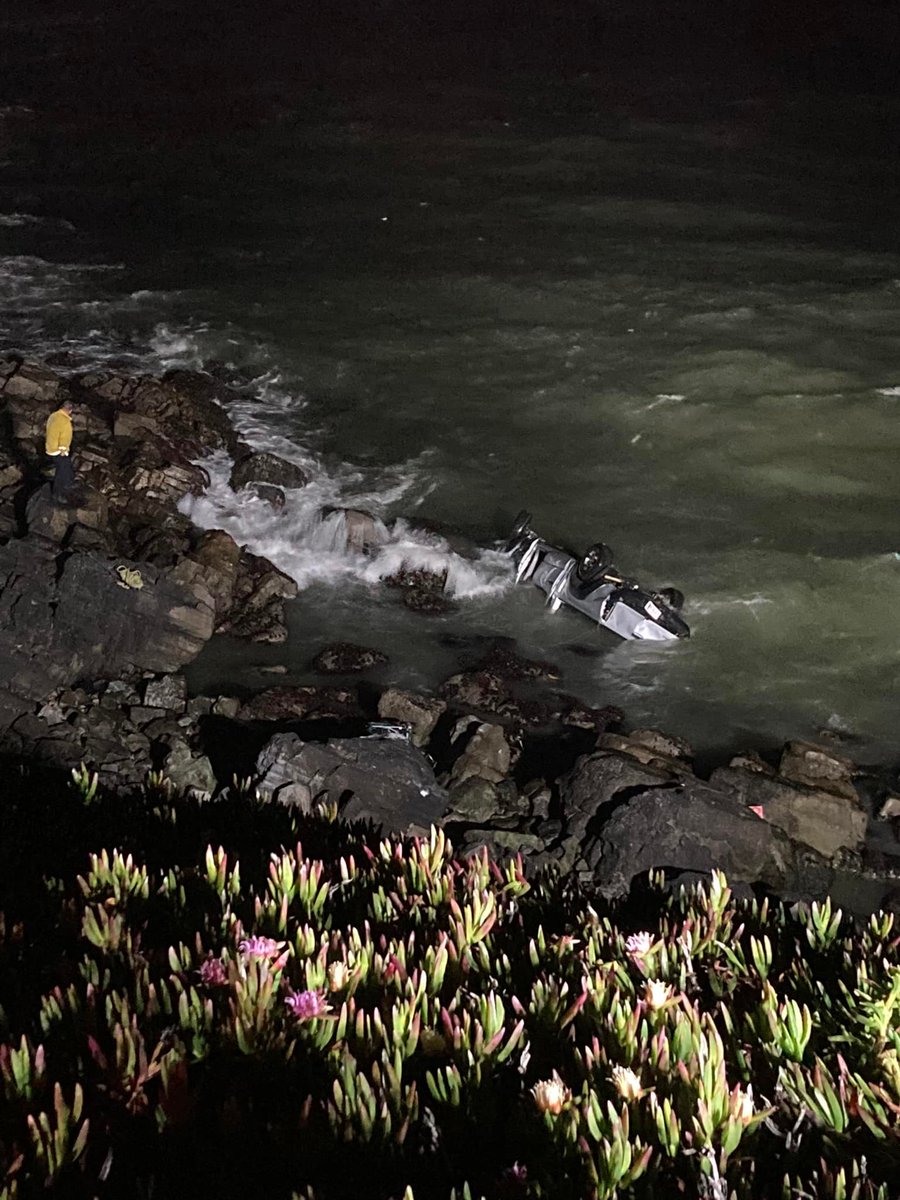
58, 443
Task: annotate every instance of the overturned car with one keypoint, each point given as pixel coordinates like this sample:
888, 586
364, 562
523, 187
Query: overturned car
593, 586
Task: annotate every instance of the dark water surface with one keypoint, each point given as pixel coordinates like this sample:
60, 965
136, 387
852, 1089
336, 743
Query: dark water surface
642, 279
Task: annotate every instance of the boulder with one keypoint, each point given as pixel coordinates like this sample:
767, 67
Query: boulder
818, 767
345, 658
300, 704
156, 468
474, 801
421, 713
48, 519
186, 404
169, 692
481, 692
662, 753
113, 616
31, 381
688, 826
501, 844
825, 820
84, 615
257, 607
578, 715
189, 773
383, 780
504, 663
220, 556
270, 493
486, 756
421, 590
599, 779
361, 530
262, 467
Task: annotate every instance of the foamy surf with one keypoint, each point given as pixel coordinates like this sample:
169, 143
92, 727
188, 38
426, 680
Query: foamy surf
308, 538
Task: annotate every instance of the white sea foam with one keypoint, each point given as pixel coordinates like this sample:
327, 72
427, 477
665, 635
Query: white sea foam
17, 220
309, 543
888, 391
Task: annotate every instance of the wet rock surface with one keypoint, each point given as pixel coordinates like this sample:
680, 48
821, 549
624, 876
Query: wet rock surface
420, 590
116, 581
267, 469
346, 658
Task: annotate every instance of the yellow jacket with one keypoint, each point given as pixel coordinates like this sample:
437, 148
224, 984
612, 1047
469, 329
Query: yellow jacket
59, 432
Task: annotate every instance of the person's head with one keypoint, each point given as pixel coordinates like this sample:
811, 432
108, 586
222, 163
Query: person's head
67, 406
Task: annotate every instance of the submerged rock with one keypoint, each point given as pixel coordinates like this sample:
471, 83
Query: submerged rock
262, 467
421, 590
345, 658
301, 703
362, 531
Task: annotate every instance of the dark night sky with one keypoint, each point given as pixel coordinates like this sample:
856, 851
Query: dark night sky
196, 47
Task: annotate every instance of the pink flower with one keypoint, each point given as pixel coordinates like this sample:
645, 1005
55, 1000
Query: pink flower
260, 947
212, 972
306, 1006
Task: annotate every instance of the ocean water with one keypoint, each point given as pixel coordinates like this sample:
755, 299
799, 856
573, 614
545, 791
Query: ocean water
675, 330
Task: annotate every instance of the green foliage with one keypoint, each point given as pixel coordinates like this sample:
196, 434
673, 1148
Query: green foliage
232, 999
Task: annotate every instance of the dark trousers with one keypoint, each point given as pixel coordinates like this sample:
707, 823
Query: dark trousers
64, 476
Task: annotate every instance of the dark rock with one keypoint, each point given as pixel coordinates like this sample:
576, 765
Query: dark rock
257, 607
359, 530
168, 692
386, 781
421, 713
270, 493
486, 756
189, 773
112, 616
689, 827
480, 692
140, 714
301, 703
32, 381
597, 780
262, 467
665, 755
344, 658
500, 844
504, 663
156, 468
49, 519
826, 821
819, 767
220, 557
474, 801
422, 590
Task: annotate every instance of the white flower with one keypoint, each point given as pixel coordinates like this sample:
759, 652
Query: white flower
627, 1083
338, 976
551, 1094
638, 944
743, 1107
657, 994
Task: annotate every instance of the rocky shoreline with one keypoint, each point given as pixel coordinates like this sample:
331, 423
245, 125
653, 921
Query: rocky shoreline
103, 603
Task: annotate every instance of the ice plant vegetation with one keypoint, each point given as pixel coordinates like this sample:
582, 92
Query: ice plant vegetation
233, 999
